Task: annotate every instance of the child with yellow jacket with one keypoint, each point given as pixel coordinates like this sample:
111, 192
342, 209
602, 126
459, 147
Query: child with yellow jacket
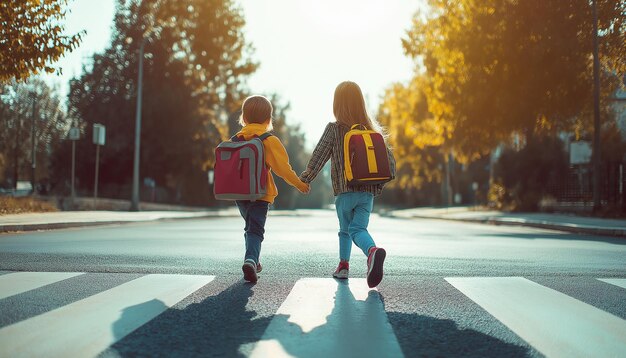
256, 119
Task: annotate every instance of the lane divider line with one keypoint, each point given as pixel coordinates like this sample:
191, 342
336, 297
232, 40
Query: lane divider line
15, 283
89, 326
324, 317
556, 324
620, 282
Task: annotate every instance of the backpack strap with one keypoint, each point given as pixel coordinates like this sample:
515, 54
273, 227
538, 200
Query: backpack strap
357, 126
262, 137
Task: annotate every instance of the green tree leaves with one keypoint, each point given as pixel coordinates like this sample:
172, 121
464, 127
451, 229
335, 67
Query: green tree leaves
22, 106
196, 62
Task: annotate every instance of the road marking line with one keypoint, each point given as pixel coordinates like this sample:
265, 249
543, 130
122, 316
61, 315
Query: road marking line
327, 317
19, 282
554, 323
620, 282
89, 326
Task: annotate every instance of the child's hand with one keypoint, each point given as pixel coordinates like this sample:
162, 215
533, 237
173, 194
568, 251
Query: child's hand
303, 175
307, 189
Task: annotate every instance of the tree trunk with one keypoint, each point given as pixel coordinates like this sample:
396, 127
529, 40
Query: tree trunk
16, 154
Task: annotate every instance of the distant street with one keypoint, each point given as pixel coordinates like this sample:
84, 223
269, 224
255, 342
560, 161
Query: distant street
175, 288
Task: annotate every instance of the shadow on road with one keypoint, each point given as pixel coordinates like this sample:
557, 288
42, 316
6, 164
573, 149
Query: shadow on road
133, 314
424, 336
217, 327
354, 328
359, 328
220, 325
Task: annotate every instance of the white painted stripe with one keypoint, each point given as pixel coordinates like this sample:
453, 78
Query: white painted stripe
621, 282
555, 324
87, 327
329, 318
19, 282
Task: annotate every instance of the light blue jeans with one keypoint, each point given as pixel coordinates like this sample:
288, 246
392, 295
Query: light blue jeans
353, 211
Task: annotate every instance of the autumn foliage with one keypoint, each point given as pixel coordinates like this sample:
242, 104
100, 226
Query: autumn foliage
490, 72
32, 37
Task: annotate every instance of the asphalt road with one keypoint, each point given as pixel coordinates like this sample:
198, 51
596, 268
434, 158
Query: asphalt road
450, 289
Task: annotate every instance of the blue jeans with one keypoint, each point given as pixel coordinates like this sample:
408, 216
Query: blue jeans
255, 214
353, 211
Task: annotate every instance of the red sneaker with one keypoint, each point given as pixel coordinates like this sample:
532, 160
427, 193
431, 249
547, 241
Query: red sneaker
342, 270
375, 261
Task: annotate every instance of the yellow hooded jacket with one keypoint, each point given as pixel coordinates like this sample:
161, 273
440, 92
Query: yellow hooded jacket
276, 158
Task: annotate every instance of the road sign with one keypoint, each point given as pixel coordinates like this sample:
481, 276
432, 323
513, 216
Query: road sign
580, 152
74, 133
149, 182
99, 134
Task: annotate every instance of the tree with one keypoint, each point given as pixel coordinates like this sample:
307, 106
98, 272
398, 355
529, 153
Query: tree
292, 138
196, 61
22, 106
499, 67
504, 71
528, 175
32, 37
413, 134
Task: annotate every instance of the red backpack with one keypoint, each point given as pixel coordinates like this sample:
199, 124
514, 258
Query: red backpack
366, 161
240, 169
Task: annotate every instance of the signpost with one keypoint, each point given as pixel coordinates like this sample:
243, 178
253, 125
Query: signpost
580, 152
99, 134
74, 135
580, 155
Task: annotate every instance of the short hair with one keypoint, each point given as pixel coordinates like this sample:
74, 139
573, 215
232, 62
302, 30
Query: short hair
256, 109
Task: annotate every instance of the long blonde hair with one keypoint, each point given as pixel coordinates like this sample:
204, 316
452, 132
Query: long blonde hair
349, 107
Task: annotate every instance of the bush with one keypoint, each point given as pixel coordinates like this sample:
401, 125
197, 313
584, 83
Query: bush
528, 175
10, 205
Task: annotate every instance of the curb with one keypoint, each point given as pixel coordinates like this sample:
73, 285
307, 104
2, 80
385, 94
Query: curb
572, 228
17, 228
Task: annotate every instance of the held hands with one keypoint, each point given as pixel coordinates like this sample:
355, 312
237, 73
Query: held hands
307, 188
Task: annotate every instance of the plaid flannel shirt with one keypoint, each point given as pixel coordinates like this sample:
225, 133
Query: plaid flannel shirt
330, 146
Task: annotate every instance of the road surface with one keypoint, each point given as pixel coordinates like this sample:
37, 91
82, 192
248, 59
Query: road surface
175, 289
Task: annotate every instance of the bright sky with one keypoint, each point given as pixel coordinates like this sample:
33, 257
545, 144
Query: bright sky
305, 49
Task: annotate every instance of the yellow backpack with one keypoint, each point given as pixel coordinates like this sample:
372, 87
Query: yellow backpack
366, 161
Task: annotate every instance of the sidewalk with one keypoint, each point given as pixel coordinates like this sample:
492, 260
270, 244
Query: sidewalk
561, 222
68, 219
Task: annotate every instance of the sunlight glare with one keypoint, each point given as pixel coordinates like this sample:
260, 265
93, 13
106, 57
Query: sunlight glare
347, 17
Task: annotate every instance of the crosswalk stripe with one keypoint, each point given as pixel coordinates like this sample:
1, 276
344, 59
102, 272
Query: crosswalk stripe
89, 326
555, 324
326, 317
19, 282
620, 282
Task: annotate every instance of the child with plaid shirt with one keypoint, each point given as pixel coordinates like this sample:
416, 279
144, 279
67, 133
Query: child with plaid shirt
353, 203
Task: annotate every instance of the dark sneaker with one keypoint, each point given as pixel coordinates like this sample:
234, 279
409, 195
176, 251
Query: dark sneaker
259, 268
342, 270
249, 271
375, 261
